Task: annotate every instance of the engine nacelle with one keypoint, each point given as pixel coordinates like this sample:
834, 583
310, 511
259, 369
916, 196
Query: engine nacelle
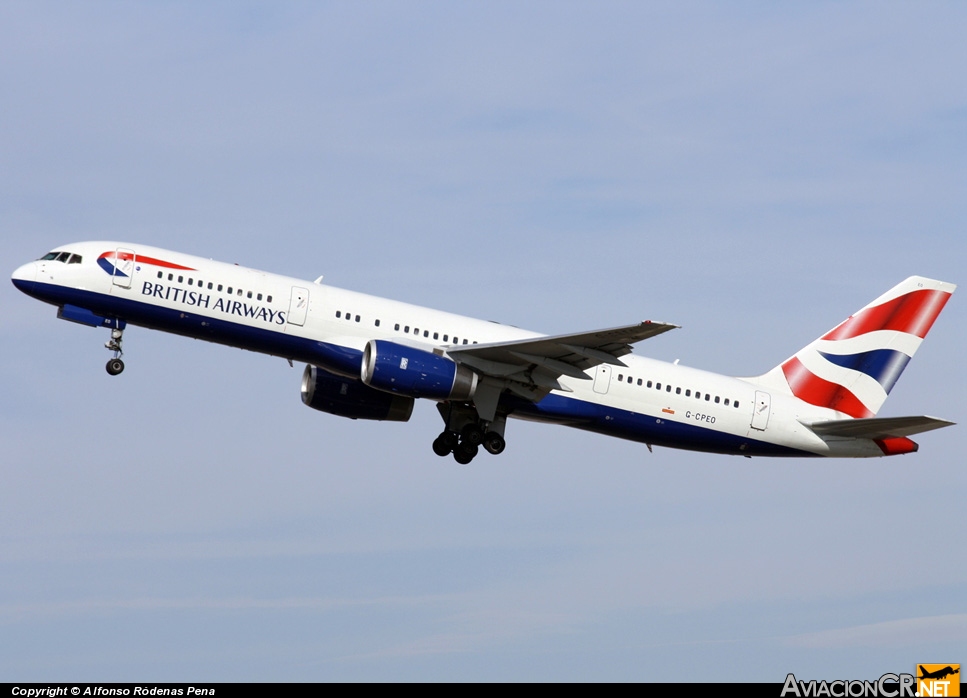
414, 372
347, 397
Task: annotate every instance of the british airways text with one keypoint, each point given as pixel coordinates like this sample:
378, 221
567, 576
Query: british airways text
204, 300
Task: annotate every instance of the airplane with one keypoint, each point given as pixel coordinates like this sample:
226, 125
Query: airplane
939, 674
371, 358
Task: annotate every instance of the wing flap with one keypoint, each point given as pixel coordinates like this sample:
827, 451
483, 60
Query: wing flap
878, 427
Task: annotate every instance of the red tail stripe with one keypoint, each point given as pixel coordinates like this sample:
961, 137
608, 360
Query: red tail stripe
913, 313
809, 387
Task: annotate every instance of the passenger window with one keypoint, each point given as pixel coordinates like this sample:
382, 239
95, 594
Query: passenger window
181, 279
269, 299
220, 287
191, 282
455, 340
649, 384
397, 327
357, 318
229, 290
736, 403
436, 335
209, 285
377, 323
258, 297
708, 396
239, 293
338, 313
249, 294
630, 379
698, 395
416, 331
688, 393
678, 391
726, 402
465, 341
160, 274
716, 399
657, 386
639, 381
668, 388
620, 377
407, 329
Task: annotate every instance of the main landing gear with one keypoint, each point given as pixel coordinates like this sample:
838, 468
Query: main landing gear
115, 365
465, 433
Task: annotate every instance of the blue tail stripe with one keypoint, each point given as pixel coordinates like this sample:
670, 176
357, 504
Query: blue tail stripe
882, 365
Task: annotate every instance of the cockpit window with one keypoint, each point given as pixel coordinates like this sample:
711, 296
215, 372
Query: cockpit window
65, 257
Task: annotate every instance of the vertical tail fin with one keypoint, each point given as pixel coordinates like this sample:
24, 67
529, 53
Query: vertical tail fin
853, 367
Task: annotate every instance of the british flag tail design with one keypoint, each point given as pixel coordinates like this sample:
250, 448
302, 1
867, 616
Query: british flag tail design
853, 367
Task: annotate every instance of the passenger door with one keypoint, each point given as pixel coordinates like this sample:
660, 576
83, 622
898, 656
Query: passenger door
298, 306
602, 378
761, 410
123, 267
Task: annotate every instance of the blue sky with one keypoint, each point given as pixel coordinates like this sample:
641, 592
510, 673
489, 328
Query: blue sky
752, 171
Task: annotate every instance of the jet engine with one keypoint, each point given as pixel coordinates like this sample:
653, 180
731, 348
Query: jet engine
348, 397
416, 373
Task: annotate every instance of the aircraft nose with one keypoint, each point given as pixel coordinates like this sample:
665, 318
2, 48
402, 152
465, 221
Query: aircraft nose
23, 275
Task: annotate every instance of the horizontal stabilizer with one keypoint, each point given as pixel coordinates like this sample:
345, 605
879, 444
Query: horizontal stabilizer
878, 427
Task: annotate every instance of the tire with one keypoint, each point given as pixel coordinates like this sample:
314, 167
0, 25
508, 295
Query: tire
114, 366
450, 439
472, 434
464, 453
494, 443
441, 447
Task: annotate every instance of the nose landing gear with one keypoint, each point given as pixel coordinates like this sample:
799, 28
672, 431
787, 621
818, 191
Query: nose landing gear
115, 365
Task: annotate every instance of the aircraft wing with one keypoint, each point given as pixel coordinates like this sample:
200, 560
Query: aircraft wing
878, 427
540, 361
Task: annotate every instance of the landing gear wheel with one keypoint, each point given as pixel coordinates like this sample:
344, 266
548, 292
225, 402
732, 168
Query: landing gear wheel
494, 443
450, 438
440, 448
115, 366
443, 444
472, 434
464, 453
